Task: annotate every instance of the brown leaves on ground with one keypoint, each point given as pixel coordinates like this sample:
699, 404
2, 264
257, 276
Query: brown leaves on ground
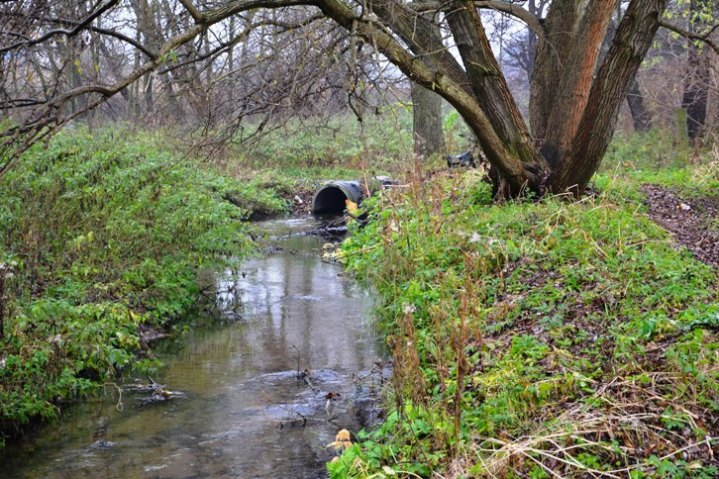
692, 221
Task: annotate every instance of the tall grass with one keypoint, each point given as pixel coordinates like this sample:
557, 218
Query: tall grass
538, 339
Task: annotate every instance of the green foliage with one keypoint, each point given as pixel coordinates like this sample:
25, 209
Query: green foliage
656, 156
373, 457
536, 316
107, 232
341, 146
311, 148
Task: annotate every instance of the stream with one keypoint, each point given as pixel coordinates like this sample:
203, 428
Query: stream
254, 384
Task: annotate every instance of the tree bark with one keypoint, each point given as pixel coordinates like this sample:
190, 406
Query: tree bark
571, 95
596, 128
495, 100
696, 81
550, 58
641, 116
426, 123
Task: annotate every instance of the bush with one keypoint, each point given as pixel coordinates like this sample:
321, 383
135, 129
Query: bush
105, 232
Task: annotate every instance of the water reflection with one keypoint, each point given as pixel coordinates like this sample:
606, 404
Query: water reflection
246, 413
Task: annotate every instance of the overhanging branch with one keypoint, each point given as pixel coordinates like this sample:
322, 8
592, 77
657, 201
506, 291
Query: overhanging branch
534, 23
81, 25
704, 37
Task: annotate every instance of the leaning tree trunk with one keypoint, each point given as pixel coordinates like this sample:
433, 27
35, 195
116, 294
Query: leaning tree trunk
517, 166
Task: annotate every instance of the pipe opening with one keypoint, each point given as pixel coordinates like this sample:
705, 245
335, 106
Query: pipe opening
330, 199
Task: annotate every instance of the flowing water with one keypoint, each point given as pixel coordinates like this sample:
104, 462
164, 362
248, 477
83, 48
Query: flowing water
246, 412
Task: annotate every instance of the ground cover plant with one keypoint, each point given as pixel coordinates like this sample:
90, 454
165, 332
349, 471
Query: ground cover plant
102, 235
539, 339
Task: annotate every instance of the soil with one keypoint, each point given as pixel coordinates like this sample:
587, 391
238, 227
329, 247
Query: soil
301, 199
692, 221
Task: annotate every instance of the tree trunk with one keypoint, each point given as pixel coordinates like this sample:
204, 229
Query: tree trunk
427, 122
596, 128
550, 58
427, 132
696, 81
529, 168
641, 116
570, 97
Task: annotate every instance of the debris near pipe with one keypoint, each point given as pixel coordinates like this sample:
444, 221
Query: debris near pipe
333, 196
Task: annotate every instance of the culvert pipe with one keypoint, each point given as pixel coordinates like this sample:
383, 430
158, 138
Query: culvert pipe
332, 196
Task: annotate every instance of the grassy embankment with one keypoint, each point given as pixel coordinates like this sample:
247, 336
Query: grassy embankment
101, 237
102, 234
547, 339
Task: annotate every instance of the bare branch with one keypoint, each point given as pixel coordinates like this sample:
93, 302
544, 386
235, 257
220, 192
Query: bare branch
68, 33
534, 23
102, 31
692, 36
193, 11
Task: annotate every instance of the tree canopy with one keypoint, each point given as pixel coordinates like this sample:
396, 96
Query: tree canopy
584, 59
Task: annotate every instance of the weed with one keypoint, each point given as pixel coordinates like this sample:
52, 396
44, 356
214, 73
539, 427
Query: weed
568, 338
105, 234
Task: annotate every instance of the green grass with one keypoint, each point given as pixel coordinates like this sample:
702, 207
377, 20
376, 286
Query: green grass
101, 235
651, 151
537, 338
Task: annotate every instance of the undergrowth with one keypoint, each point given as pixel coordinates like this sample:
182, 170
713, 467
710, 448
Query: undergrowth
539, 339
340, 145
101, 237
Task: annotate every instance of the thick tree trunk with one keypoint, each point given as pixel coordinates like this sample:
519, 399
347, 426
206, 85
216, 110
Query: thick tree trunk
551, 56
570, 97
641, 116
596, 128
427, 122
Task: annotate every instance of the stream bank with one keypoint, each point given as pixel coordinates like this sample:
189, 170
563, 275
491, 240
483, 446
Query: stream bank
263, 395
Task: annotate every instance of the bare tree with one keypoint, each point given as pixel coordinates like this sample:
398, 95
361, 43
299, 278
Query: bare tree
575, 95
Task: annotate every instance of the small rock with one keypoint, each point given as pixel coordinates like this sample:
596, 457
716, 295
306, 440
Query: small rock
102, 444
684, 207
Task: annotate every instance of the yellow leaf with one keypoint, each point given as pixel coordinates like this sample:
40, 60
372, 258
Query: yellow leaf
351, 206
